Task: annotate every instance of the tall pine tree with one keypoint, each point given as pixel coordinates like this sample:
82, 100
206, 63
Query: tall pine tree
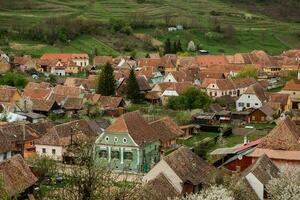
174, 49
179, 47
168, 46
132, 88
106, 81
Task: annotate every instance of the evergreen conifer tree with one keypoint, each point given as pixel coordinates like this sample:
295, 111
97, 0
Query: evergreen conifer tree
132, 88
167, 47
106, 84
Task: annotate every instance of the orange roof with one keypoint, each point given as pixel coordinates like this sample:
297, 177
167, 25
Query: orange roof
64, 56
292, 85
149, 62
209, 60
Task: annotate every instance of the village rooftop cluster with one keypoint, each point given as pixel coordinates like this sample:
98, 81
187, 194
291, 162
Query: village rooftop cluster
60, 108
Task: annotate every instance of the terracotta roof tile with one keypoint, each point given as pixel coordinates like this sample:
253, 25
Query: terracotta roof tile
64, 57
16, 174
209, 60
102, 60
285, 136
292, 85
7, 93
190, 167
167, 129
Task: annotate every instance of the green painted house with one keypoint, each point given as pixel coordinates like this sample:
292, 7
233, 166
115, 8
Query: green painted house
129, 144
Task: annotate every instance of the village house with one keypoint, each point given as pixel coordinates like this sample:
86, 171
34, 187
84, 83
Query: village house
37, 90
21, 137
259, 174
4, 65
292, 88
4, 55
6, 150
18, 179
24, 63
143, 84
280, 102
9, 96
185, 170
129, 144
234, 159
72, 105
253, 97
168, 132
281, 145
85, 84
206, 61
112, 106
222, 87
80, 59
169, 89
162, 184
265, 113
59, 138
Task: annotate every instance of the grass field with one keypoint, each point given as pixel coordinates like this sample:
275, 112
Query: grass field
254, 31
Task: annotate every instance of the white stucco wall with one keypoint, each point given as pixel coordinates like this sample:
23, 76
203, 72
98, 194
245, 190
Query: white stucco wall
256, 185
8, 155
164, 168
170, 78
58, 151
248, 98
81, 62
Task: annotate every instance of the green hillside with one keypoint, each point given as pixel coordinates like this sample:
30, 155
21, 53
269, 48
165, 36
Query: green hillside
252, 31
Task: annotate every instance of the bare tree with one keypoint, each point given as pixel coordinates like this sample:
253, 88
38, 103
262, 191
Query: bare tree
87, 179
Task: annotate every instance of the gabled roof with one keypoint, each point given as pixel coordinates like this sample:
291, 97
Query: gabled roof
21, 60
41, 127
64, 134
292, 85
146, 62
208, 60
16, 174
267, 110
7, 93
72, 103
285, 136
64, 57
18, 133
263, 169
106, 102
178, 87
257, 90
4, 143
167, 129
143, 83
189, 167
279, 98
135, 125
42, 105
159, 188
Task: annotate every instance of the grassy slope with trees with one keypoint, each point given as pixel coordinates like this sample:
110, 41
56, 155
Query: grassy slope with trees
252, 31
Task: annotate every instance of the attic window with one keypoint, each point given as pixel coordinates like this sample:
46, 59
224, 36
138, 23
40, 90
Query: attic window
124, 140
115, 139
106, 138
248, 96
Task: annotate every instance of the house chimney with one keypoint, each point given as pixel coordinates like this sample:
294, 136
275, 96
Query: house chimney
245, 140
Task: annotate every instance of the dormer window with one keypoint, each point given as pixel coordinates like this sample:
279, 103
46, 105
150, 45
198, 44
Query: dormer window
106, 138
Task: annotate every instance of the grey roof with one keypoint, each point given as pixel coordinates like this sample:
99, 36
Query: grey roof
263, 169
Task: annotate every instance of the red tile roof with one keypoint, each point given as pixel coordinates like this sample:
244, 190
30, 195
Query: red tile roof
64, 57
292, 85
209, 60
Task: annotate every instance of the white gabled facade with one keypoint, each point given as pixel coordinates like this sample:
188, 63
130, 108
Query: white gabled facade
170, 78
248, 101
55, 152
